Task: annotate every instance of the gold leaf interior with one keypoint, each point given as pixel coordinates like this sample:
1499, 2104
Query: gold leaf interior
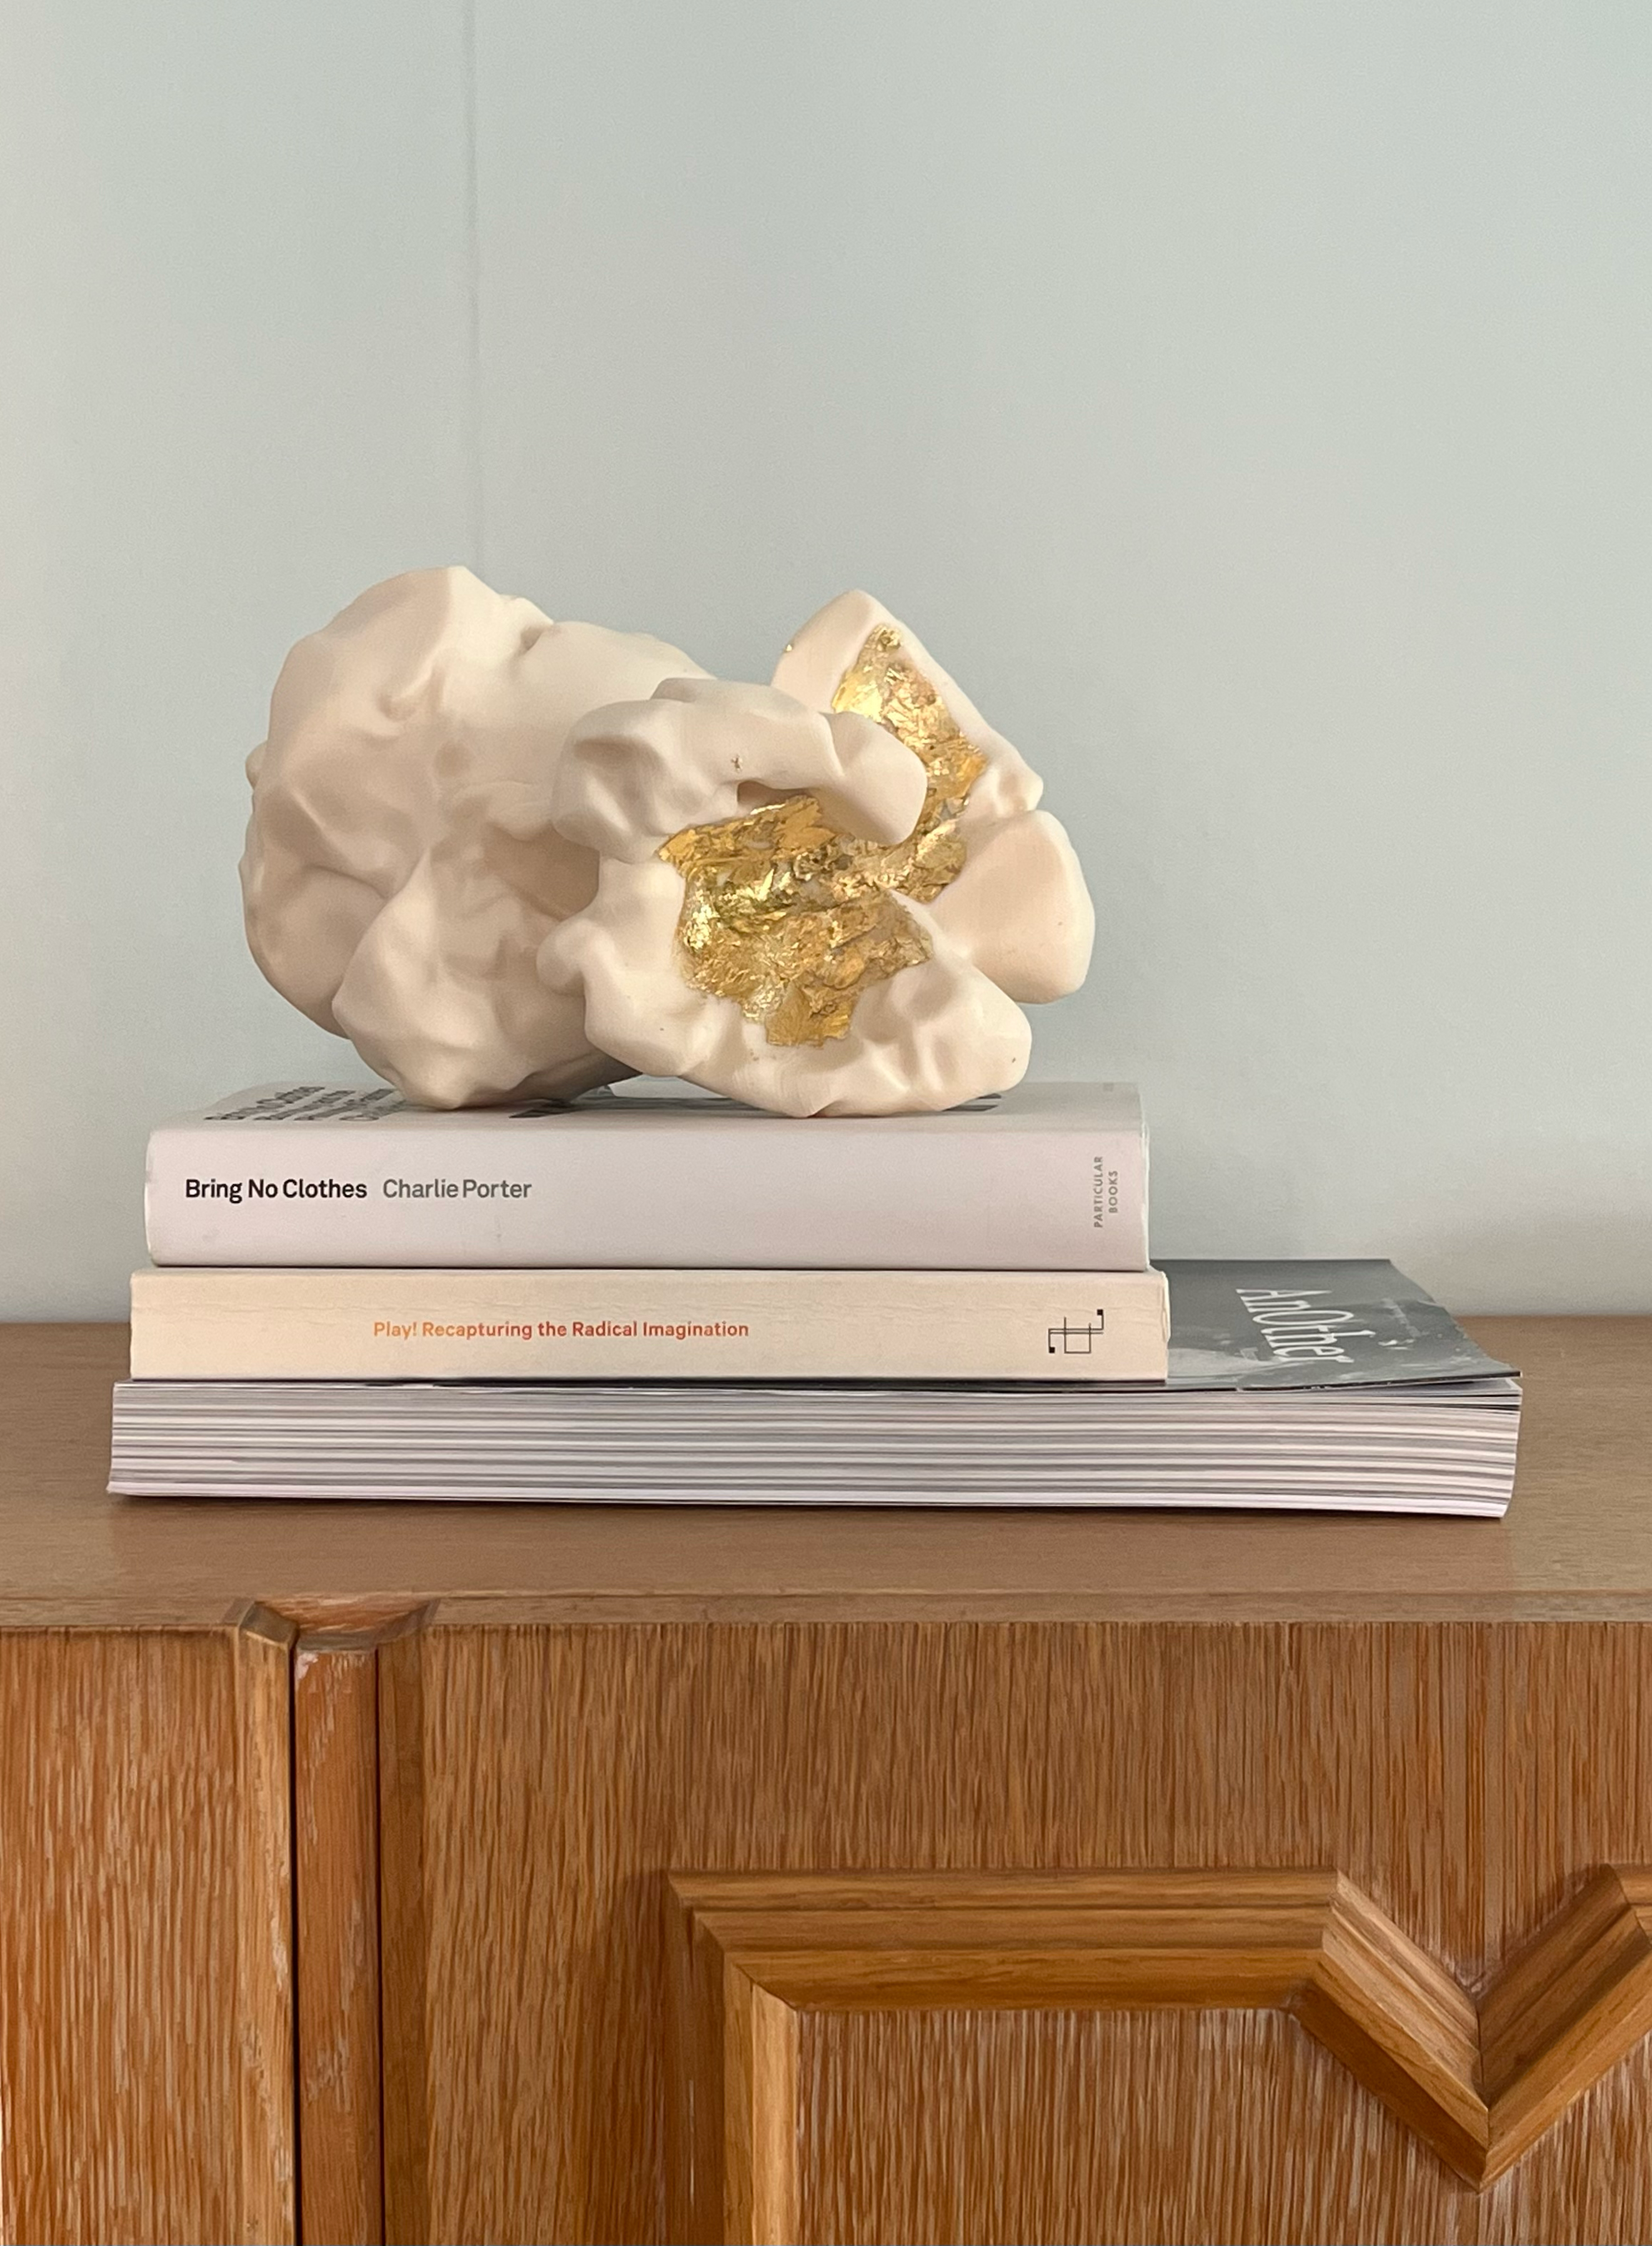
792, 919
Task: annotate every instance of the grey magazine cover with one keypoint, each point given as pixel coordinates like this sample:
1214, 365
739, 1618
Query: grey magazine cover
1312, 1324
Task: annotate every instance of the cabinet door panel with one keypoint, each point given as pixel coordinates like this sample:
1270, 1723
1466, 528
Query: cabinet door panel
146, 2047
542, 1784
1089, 2125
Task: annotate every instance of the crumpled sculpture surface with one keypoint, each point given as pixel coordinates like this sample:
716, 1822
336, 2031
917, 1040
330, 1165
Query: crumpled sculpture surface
401, 868
509, 857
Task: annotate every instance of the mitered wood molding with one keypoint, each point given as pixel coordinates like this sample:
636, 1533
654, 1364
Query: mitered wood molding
403, 1937
263, 2000
1479, 2081
341, 1918
1564, 2009
335, 1881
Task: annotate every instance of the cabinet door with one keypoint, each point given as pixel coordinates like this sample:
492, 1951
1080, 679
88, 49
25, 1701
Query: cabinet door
146, 2030
997, 1931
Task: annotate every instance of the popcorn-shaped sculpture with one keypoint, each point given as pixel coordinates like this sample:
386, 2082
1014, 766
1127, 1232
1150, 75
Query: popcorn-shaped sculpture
509, 857
401, 868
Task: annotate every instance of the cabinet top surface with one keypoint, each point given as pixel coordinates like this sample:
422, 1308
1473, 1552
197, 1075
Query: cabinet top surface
1577, 1540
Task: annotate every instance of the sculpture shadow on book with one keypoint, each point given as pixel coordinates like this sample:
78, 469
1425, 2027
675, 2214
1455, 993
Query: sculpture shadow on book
512, 858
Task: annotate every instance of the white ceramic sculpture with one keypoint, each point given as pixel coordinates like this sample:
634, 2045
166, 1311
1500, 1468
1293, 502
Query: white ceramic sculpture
507, 856
401, 868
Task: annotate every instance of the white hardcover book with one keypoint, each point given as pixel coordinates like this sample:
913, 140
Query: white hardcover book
1050, 1177
203, 1323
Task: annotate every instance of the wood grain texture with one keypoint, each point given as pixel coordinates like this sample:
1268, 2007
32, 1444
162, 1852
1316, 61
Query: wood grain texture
1184, 2128
555, 1775
407, 2089
1459, 1715
146, 2007
335, 1879
263, 1905
1219, 2127
1478, 2084
970, 1942
1577, 1542
1577, 2001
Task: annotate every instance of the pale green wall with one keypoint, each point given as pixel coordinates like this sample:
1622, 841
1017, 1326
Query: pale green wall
1250, 404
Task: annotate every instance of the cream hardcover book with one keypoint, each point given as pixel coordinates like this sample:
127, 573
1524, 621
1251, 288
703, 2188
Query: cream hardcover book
206, 1323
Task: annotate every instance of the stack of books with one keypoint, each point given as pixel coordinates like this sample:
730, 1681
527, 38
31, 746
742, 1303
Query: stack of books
652, 1295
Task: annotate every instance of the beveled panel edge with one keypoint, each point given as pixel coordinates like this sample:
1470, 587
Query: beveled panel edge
403, 1932
336, 1983
1479, 2082
263, 1907
359, 1916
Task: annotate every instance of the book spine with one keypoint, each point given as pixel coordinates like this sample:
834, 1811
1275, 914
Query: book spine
261, 1324
871, 1197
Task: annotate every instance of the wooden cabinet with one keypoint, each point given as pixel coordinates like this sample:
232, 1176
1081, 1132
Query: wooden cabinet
531, 1873
145, 2000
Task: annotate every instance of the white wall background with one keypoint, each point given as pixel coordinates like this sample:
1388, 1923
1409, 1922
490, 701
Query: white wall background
1247, 398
